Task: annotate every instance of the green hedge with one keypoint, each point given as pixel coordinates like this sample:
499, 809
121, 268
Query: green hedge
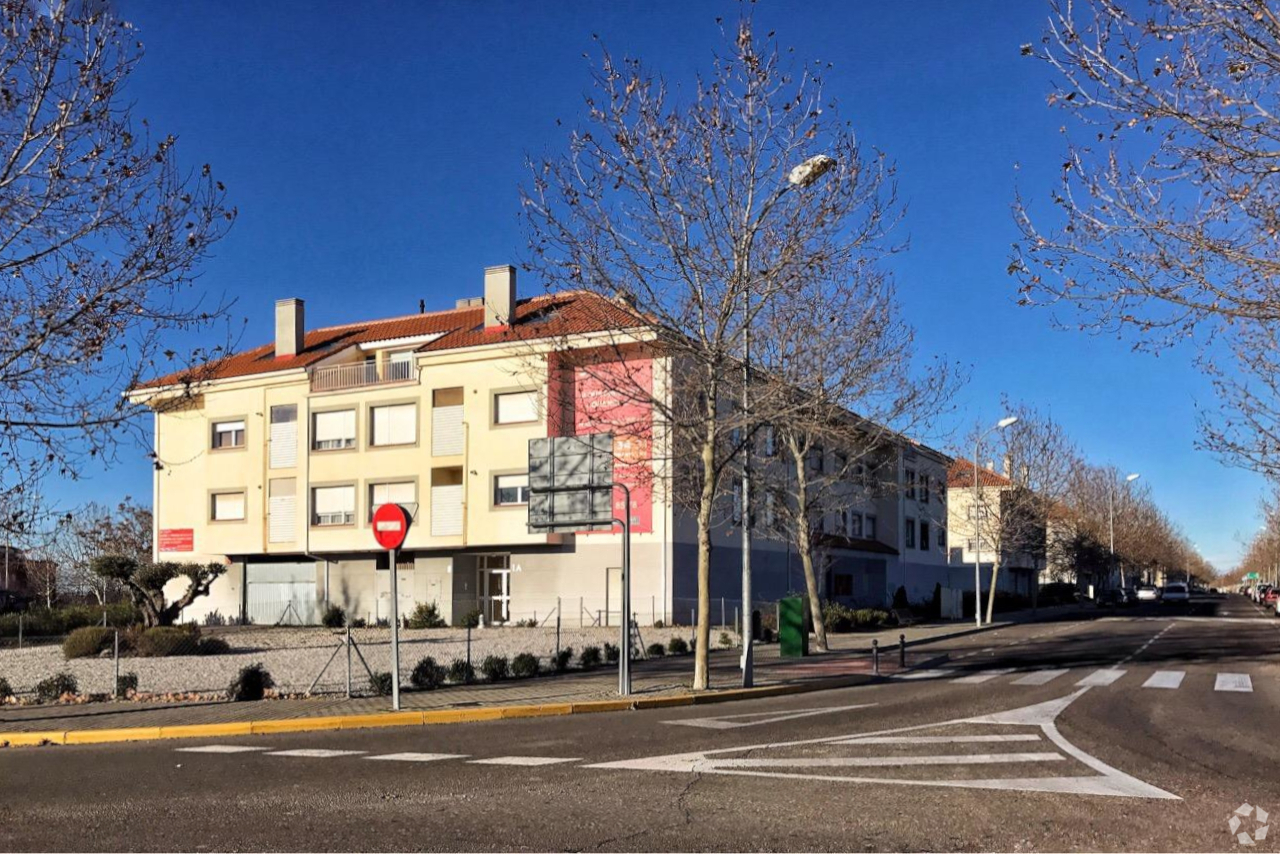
88, 642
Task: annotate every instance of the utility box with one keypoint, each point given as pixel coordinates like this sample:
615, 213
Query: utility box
793, 629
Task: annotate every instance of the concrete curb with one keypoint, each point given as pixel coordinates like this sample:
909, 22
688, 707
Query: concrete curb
433, 717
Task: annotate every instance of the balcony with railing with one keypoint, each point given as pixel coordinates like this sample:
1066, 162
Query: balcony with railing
361, 375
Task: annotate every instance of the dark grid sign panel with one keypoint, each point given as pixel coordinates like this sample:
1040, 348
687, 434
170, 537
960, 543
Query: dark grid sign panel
571, 483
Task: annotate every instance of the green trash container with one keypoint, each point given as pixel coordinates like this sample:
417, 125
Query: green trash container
793, 631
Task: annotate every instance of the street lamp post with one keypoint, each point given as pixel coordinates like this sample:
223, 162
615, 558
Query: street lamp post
977, 519
1111, 524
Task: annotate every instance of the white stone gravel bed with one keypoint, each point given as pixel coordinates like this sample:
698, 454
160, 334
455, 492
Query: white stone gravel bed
295, 656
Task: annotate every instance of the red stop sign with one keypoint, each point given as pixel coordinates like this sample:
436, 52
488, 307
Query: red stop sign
390, 525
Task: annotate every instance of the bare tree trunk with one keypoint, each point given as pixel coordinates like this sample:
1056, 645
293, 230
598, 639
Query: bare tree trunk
991, 594
804, 545
701, 680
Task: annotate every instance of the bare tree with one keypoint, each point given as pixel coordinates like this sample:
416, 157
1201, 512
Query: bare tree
835, 347
100, 235
697, 213
1168, 202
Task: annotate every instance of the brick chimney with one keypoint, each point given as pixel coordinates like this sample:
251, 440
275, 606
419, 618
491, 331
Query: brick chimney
499, 296
290, 327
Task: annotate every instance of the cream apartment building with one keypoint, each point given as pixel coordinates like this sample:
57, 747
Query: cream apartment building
1019, 572
272, 461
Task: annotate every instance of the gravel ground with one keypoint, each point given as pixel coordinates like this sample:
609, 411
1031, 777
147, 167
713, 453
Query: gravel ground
295, 656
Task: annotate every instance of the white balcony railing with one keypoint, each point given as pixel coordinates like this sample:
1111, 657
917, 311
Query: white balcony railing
359, 375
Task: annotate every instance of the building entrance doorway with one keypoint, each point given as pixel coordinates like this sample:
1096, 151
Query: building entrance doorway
494, 573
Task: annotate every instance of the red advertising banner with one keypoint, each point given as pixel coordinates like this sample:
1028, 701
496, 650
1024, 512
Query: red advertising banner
616, 397
177, 540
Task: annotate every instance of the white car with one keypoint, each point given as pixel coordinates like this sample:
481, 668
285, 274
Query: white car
1147, 593
1175, 593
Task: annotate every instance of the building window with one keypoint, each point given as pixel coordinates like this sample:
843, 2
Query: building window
841, 462
924, 536
855, 524
942, 539
393, 425
515, 407
737, 503
869, 526
400, 365
333, 505
924, 488
770, 441
228, 434
769, 508
332, 431
816, 456
842, 585
911, 483
910, 533
227, 506
402, 493
511, 489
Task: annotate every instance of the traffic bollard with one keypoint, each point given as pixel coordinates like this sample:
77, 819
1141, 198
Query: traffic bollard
902, 652
875, 657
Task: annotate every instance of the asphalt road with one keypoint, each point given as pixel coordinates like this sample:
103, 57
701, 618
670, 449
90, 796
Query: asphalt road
1142, 729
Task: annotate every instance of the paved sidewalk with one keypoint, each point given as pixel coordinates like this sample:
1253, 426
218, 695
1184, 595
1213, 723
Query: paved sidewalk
849, 659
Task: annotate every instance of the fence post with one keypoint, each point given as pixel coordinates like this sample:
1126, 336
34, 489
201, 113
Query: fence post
348, 659
875, 657
104, 618
722, 623
557, 627
581, 622
468, 647
902, 652
653, 610
20, 616
115, 654
735, 617
693, 617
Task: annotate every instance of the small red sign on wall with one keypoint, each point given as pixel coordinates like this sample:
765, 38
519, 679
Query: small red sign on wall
177, 540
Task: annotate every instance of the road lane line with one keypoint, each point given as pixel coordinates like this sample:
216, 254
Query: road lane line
1105, 676
1233, 682
922, 674
941, 739
983, 676
314, 753
220, 748
416, 757
887, 761
530, 761
1039, 677
1165, 679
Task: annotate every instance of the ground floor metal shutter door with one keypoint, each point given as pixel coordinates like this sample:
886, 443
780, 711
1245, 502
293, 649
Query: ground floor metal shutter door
282, 593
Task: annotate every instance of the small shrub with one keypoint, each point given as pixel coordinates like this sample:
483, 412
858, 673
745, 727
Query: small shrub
657, 650
359, 623
252, 683
126, 684
530, 623
212, 646
611, 654
589, 657
382, 623
88, 642
658, 624
461, 672
725, 639
471, 619
426, 616
161, 641
380, 683
334, 617
214, 618
766, 636
6, 690
900, 598
837, 617
562, 659
495, 667
677, 646
427, 674
51, 689
524, 665
872, 618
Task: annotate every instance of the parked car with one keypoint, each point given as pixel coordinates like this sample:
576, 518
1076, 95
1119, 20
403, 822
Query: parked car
1110, 598
1147, 593
1175, 593
1260, 592
1269, 598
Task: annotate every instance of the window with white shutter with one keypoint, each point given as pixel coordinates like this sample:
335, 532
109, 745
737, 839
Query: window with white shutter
282, 514
228, 434
333, 431
284, 436
510, 489
394, 425
227, 507
401, 493
515, 407
333, 505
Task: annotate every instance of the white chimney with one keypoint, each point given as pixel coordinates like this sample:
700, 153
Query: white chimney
499, 296
290, 327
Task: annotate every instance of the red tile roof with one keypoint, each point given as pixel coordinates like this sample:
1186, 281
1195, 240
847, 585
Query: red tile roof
961, 474
547, 316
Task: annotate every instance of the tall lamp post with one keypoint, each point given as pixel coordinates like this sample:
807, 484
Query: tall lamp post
1111, 522
977, 517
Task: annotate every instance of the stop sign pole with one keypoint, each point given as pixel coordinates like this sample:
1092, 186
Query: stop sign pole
390, 527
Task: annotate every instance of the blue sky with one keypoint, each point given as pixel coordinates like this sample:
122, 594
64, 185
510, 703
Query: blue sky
374, 151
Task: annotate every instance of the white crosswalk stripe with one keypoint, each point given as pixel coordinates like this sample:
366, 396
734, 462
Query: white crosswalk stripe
1233, 682
524, 760
220, 748
983, 676
1171, 679
1105, 676
416, 757
922, 674
315, 753
1039, 677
